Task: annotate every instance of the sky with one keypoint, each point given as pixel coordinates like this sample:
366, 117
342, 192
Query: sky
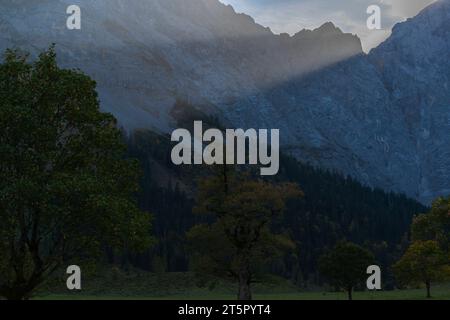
291, 16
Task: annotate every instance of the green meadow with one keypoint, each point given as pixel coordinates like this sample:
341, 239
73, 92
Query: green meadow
187, 286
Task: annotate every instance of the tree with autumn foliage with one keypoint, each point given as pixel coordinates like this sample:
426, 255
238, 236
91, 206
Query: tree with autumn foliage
424, 262
427, 259
434, 225
240, 241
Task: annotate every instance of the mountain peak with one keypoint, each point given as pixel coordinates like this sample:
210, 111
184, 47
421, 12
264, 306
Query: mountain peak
328, 27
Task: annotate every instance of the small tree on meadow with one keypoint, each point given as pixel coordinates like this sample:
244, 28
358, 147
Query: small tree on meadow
345, 266
424, 262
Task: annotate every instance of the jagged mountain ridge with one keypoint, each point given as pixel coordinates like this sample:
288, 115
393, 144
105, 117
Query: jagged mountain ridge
199, 50
335, 106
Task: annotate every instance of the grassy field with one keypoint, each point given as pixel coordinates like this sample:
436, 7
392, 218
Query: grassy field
396, 295
186, 286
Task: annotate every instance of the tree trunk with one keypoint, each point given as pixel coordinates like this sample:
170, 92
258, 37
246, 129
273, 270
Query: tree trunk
244, 285
15, 297
22, 289
350, 293
428, 284
14, 294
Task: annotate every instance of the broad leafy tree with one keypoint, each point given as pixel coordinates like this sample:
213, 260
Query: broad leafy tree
434, 225
240, 242
65, 185
424, 262
345, 266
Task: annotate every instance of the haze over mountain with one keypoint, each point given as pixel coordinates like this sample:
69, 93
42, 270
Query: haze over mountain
350, 15
383, 118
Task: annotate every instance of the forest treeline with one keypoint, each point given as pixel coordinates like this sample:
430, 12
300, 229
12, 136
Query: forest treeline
333, 208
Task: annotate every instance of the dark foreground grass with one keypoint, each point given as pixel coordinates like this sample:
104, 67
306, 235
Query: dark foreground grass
186, 286
412, 294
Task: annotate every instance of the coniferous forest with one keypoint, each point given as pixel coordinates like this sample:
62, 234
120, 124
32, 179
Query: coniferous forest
334, 208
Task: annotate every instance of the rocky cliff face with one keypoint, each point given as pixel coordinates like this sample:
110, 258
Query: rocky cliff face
146, 54
414, 64
383, 117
